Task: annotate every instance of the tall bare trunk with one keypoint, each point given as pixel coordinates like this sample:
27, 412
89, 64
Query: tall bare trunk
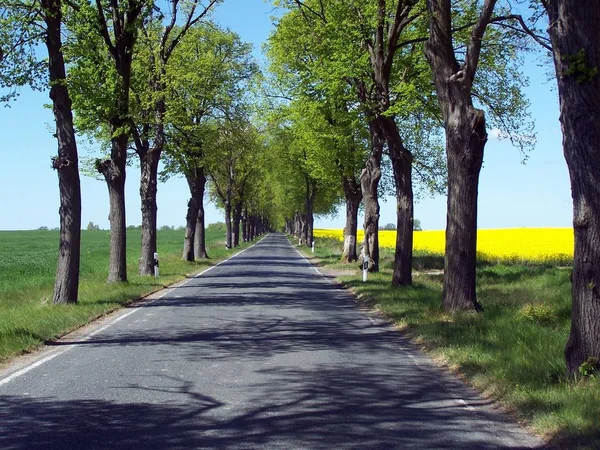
254, 227
190, 220
200, 238
114, 173
148, 189
245, 225
190, 230
576, 45
464, 150
310, 219
228, 230
369, 182
353, 197
113, 169
237, 217
402, 167
465, 140
66, 163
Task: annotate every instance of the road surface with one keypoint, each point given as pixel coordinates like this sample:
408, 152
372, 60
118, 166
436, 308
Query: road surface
258, 352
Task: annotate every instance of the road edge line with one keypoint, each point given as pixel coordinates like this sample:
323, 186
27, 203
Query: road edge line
55, 353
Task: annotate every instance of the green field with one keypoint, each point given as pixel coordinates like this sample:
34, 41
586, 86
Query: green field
512, 352
27, 270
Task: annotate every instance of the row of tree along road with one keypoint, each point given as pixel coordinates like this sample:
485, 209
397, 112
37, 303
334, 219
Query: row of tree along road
362, 98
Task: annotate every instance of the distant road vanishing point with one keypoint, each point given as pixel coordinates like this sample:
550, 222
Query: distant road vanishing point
259, 352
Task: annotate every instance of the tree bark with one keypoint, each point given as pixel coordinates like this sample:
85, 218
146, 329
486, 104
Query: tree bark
66, 285
190, 230
114, 173
310, 219
228, 229
353, 196
113, 169
402, 167
576, 46
464, 149
245, 225
148, 189
200, 237
237, 217
191, 218
465, 140
369, 182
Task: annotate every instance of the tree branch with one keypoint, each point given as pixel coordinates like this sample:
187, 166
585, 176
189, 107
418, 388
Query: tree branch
190, 22
474, 47
316, 13
544, 42
104, 28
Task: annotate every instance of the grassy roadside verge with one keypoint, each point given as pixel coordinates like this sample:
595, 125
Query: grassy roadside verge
512, 353
27, 270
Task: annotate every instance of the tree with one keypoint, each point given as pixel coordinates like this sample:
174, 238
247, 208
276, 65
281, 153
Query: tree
230, 166
328, 116
208, 71
102, 45
576, 48
370, 47
454, 75
417, 225
19, 65
93, 226
157, 44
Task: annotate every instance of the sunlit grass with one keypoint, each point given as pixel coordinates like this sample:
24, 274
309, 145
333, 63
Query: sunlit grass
27, 271
514, 351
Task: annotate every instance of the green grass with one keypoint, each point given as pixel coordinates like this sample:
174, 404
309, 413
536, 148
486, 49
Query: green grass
27, 271
512, 352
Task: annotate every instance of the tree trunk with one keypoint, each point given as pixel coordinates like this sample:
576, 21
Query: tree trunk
228, 239
148, 188
298, 226
114, 173
402, 168
574, 36
249, 236
200, 236
465, 140
245, 225
464, 151
113, 169
353, 196
310, 220
237, 216
190, 220
66, 285
369, 182
190, 230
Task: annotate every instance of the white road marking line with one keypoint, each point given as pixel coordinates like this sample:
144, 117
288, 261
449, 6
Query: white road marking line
33, 366
460, 401
312, 266
59, 352
183, 283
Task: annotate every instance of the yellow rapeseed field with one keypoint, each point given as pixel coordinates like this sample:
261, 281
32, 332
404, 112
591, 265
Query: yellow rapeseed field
540, 245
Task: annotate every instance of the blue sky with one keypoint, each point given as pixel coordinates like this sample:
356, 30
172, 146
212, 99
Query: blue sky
511, 194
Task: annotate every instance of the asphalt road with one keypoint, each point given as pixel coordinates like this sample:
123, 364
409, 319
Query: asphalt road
258, 352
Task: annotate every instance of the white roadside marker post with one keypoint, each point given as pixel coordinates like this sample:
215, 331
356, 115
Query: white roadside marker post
156, 265
365, 269
313, 246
